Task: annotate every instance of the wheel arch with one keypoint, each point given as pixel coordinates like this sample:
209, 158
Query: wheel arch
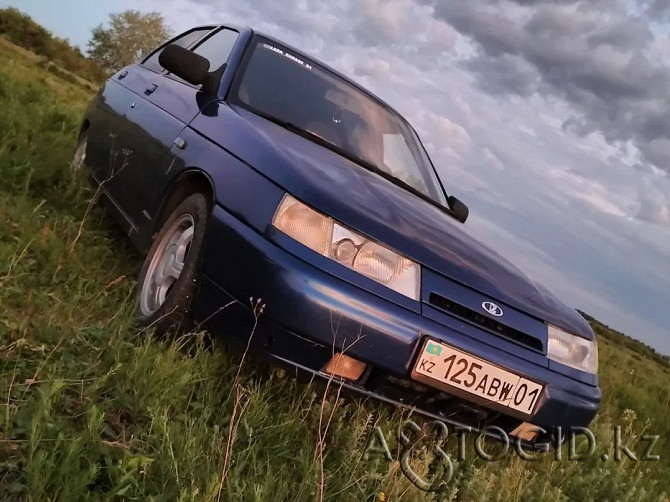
83, 129
192, 180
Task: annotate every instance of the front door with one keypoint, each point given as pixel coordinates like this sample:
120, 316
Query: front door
159, 107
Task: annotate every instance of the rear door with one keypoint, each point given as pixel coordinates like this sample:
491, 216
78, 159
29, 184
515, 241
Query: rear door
159, 106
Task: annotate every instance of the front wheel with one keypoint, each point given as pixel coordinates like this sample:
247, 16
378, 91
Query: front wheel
78, 163
169, 275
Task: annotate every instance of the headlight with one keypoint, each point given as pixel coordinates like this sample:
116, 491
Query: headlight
572, 350
371, 259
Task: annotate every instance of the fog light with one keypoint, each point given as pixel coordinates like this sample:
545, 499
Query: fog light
345, 367
526, 431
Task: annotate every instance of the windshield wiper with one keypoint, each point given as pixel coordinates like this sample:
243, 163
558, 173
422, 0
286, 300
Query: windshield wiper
299, 130
353, 158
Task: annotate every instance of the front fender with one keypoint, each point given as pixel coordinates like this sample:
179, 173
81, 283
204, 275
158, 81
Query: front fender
244, 192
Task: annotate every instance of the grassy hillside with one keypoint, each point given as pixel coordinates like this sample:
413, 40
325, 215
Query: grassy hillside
90, 408
20, 29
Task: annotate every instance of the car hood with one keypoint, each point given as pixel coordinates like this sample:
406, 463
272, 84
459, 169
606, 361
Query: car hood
385, 212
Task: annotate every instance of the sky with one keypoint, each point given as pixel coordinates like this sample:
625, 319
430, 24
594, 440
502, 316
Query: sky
548, 118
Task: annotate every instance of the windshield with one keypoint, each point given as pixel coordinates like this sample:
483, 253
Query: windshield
291, 89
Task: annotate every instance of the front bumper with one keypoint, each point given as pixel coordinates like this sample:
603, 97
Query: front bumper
313, 309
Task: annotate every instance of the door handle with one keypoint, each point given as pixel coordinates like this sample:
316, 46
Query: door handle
151, 89
123, 74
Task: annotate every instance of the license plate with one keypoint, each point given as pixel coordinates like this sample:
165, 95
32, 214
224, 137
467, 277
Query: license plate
449, 367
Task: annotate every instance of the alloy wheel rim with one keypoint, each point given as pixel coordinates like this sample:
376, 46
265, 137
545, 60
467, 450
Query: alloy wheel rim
80, 156
166, 264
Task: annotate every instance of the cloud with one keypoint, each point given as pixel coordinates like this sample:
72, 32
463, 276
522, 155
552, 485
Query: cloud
493, 159
379, 21
504, 74
590, 53
372, 66
653, 206
656, 10
446, 133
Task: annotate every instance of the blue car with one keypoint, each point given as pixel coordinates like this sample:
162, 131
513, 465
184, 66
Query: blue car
268, 191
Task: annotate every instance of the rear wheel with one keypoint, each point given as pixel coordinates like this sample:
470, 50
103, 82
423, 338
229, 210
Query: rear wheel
169, 275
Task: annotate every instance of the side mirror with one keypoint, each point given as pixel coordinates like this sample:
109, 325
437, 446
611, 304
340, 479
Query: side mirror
459, 210
185, 64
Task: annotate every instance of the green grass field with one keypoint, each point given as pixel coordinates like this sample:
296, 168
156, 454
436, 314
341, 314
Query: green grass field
92, 408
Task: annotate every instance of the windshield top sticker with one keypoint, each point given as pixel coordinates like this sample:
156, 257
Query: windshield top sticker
287, 55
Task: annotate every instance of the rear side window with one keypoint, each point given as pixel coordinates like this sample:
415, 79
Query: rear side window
186, 40
217, 48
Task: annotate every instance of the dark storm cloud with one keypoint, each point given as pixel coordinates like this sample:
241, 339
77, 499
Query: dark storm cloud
657, 10
600, 60
504, 74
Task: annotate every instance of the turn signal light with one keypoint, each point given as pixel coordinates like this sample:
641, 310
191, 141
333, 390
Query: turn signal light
526, 431
345, 367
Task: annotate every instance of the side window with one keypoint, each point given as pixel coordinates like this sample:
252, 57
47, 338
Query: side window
186, 40
217, 48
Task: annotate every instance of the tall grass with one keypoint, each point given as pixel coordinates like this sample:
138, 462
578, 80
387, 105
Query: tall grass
92, 408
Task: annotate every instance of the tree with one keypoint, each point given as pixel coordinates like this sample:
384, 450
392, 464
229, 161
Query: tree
131, 34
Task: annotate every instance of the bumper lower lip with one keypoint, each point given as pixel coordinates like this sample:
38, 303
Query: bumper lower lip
313, 309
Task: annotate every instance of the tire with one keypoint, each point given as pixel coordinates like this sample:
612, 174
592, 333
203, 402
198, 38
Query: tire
168, 279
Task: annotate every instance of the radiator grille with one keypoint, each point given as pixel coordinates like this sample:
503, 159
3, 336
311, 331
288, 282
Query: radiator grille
485, 322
